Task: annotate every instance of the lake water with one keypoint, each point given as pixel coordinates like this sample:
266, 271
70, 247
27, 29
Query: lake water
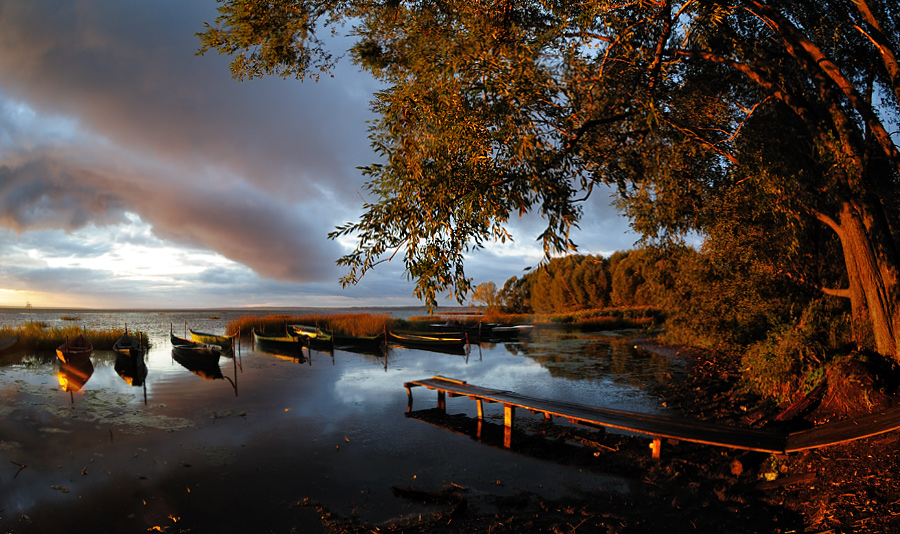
250, 451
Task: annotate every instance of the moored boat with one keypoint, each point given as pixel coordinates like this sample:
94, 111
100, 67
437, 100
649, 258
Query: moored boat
344, 340
279, 343
508, 333
8, 341
311, 332
225, 342
445, 342
74, 349
129, 346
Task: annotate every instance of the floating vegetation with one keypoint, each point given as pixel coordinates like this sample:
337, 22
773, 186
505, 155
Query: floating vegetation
70, 318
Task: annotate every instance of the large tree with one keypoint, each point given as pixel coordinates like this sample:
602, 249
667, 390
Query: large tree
496, 108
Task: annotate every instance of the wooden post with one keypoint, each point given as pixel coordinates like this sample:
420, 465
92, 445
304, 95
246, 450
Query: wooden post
509, 413
480, 404
442, 400
655, 447
409, 394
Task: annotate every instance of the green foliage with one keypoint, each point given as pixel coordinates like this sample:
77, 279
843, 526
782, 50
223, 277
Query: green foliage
757, 125
795, 358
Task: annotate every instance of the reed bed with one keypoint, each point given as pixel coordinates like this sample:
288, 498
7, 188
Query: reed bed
38, 336
351, 324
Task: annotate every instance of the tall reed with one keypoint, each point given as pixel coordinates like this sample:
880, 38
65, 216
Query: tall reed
38, 336
351, 324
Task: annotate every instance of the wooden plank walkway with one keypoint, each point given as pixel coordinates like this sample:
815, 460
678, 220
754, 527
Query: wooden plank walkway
659, 427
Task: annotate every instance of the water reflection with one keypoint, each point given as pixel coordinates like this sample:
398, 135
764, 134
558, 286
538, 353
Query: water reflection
132, 369
74, 373
204, 365
334, 433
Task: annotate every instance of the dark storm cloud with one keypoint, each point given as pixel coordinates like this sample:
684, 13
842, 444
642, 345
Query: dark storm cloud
244, 169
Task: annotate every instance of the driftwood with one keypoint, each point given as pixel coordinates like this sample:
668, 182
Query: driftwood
804, 405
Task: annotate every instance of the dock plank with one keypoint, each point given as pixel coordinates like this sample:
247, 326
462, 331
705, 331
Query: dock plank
843, 431
655, 426
669, 427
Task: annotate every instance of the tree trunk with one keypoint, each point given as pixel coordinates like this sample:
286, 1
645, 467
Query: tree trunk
873, 271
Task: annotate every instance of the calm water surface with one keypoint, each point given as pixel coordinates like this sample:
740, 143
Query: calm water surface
245, 452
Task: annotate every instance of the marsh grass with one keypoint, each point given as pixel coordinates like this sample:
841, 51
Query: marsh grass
351, 324
588, 320
38, 336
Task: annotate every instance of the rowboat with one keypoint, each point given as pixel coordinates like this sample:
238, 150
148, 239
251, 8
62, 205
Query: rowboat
344, 340
284, 344
312, 336
226, 343
129, 346
508, 333
311, 332
75, 349
446, 342
8, 341
186, 346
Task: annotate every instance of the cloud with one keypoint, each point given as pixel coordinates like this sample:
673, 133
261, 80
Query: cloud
110, 121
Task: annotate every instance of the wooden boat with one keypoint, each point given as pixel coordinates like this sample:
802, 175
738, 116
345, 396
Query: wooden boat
226, 343
186, 346
508, 333
344, 340
8, 341
445, 342
129, 346
75, 349
311, 332
284, 344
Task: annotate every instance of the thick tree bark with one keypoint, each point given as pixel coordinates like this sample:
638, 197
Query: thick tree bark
875, 273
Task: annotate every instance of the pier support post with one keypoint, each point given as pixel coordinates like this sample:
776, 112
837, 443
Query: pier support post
509, 413
442, 400
480, 404
655, 447
409, 401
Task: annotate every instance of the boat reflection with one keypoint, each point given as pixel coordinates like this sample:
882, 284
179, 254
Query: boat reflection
203, 365
131, 369
74, 373
284, 347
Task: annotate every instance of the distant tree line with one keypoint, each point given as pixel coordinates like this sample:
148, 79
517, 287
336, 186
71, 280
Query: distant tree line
580, 282
709, 299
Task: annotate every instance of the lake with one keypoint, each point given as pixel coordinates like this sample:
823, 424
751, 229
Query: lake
251, 451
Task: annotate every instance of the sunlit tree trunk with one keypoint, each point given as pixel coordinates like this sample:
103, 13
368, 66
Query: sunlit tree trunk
873, 274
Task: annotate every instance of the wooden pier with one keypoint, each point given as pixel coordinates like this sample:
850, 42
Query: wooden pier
659, 427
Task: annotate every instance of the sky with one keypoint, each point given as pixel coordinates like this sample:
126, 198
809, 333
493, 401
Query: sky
135, 173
